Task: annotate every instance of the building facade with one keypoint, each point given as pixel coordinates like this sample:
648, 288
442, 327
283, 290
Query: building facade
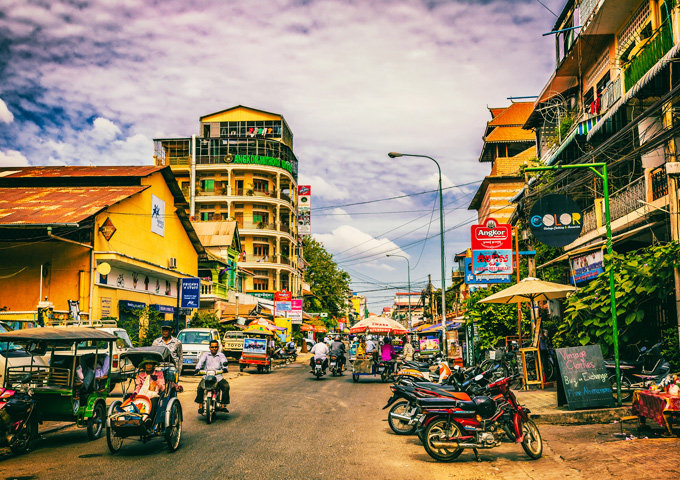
241, 167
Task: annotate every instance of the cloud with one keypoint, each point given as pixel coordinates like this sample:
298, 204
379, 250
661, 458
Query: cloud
322, 188
5, 115
12, 158
351, 245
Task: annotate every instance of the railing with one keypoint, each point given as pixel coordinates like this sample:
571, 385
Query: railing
655, 48
219, 290
589, 220
256, 226
659, 182
586, 7
621, 203
284, 228
259, 258
611, 94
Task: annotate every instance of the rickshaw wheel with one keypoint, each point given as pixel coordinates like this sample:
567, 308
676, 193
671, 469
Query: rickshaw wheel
355, 377
242, 367
114, 443
259, 369
173, 431
95, 425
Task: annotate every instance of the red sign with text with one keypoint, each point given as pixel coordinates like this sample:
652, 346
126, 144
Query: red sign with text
284, 296
491, 236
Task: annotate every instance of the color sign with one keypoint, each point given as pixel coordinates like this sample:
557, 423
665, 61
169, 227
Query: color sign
491, 248
556, 220
583, 378
191, 292
586, 267
472, 279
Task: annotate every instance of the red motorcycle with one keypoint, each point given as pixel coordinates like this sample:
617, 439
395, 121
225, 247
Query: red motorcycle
450, 425
17, 426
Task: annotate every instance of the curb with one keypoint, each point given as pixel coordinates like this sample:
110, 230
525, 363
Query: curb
604, 415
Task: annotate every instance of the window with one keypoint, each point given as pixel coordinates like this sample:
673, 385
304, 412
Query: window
261, 186
260, 250
239, 205
260, 284
238, 174
207, 216
261, 217
208, 185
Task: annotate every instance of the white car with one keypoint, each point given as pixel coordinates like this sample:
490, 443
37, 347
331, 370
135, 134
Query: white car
195, 341
12, 355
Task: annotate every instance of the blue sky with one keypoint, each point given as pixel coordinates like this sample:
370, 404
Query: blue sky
93, 82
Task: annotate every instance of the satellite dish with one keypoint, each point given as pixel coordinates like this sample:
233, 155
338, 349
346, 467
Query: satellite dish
104, 268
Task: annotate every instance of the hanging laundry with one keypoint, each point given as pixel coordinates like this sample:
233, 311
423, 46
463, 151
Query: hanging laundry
598, 103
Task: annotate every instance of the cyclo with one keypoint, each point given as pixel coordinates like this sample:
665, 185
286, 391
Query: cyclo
135, 417
66, 385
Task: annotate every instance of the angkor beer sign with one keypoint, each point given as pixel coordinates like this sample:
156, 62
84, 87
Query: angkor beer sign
491, 248
556, 220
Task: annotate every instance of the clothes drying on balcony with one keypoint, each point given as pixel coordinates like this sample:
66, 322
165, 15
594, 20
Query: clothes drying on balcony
636, 88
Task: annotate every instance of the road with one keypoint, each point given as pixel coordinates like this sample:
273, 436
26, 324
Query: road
288, 425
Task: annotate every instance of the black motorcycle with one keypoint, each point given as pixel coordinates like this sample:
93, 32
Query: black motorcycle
650, 366
18, 425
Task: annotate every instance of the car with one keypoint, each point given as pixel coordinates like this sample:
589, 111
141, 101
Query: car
195, 341
12, 355
233, 344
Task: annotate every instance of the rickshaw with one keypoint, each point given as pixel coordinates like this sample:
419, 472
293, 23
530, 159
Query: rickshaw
136, 418
255, 350
66, 385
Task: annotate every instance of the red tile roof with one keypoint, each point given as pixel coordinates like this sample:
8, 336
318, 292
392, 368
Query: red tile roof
510, 134
515, 114
73, 171
58, 205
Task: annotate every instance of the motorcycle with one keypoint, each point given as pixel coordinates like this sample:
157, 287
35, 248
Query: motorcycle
335, 365
319, 370
449, 426
212, 396
17, 423
650, 367
281, 354
424, 372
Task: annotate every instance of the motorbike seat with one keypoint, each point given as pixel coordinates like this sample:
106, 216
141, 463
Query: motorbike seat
438, 402
416, 365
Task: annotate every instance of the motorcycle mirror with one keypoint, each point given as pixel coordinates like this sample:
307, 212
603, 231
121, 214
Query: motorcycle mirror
479, 377
643, 349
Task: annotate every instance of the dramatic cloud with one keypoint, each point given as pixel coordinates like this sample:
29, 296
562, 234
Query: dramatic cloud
95, 82
12, 158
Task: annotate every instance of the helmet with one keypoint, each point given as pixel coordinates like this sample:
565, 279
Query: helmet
485, 406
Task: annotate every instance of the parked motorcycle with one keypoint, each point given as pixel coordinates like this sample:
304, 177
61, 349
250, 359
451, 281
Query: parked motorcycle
437, 372
212, 396
450, 425
17, 422
650, 366
281, 354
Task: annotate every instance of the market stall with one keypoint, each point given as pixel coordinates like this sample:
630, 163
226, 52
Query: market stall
663, 408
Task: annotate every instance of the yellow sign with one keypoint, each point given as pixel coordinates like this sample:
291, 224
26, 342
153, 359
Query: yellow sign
286, 323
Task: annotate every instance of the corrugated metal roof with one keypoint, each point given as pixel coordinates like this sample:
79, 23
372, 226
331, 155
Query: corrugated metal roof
215, 234
58, 205
77, 171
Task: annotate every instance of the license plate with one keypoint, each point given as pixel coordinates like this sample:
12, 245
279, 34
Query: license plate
188, 360
333, 364
381, 369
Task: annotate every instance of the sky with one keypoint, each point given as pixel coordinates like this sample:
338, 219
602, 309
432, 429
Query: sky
94, 82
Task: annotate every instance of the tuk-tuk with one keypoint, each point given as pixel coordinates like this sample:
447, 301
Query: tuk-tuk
66, 385
135, 417
255, 350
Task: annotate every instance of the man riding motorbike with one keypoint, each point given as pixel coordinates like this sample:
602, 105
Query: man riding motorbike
216, 361
338, 349
320, 350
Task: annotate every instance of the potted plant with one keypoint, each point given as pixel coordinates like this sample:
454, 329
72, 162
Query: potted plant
250, 191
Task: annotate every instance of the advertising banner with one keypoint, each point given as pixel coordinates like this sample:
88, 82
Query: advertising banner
282, 308
191, 292
304, 223
286, 323
472, 279
283, 296
429, 344
491, 248
257, 346
555, 220
586, 267
157, 215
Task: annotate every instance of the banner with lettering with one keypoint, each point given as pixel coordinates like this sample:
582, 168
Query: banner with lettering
491, 248
583, 379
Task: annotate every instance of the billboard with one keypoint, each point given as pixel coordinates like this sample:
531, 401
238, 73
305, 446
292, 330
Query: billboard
472, 279
191, 292
257, 346
586, 267
491, 248
304, 210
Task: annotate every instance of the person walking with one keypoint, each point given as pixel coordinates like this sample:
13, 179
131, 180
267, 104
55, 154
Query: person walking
172, 343
408, 350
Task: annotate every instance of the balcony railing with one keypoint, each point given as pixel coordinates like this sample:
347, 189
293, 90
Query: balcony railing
611, 94
218, 290
621, 203
659, 182
656, 47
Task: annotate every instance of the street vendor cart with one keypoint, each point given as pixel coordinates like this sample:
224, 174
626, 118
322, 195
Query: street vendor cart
369, 366
255, 351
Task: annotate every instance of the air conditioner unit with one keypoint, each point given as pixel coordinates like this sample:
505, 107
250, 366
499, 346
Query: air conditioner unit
172, 262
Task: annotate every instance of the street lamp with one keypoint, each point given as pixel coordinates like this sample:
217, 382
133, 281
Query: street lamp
441, 230
408, 264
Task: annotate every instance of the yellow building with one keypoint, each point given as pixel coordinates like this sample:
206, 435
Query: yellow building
114, 239
507, 146
242, 168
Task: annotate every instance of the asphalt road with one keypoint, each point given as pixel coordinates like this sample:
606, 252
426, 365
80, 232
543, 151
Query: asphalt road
288, 425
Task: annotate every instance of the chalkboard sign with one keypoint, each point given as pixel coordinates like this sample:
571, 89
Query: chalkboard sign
583, 378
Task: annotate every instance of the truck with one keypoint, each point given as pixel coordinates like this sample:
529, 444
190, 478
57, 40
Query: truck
196, 341
233, 344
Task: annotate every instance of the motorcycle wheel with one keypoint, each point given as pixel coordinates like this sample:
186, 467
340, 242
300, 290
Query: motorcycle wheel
355, 377
115, 443
548, 370
242, 367
445, 428
95, 425
209, 407
173, 431
532, 443
22, 440
626, 389
398, 426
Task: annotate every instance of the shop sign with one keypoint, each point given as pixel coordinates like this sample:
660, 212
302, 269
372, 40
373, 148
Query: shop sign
135, 281
265, 295
555, 220
105, 307
586, 267
283, 296
107, 229
491, 248
157, 215
262, 160
472, 279
191, 292
163, 308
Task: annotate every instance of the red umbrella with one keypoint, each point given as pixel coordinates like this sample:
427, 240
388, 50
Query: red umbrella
378, 325
305, 327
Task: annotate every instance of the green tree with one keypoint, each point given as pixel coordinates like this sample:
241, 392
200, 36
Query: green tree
327, 281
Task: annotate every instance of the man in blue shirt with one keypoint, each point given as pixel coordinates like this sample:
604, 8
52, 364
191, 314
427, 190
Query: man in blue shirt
212, 360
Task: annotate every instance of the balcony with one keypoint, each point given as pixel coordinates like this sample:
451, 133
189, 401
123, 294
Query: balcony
256, 226
621, 203
611, 94
654, 48
218, 291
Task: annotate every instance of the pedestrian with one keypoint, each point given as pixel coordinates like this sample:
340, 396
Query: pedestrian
172, 343
408, 349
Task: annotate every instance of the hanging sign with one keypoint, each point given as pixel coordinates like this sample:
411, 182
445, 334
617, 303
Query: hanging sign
586, 267
556, 220
472, 279
491, 248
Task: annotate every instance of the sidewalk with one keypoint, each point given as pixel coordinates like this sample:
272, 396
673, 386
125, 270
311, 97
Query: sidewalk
544, 409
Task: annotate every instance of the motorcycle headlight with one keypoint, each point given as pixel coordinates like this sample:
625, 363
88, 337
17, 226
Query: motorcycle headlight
211, 372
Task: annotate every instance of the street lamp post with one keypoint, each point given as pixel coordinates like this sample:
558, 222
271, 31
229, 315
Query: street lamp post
408, 264
441, 231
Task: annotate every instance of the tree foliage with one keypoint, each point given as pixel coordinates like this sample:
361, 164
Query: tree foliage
642, 279
327, 281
